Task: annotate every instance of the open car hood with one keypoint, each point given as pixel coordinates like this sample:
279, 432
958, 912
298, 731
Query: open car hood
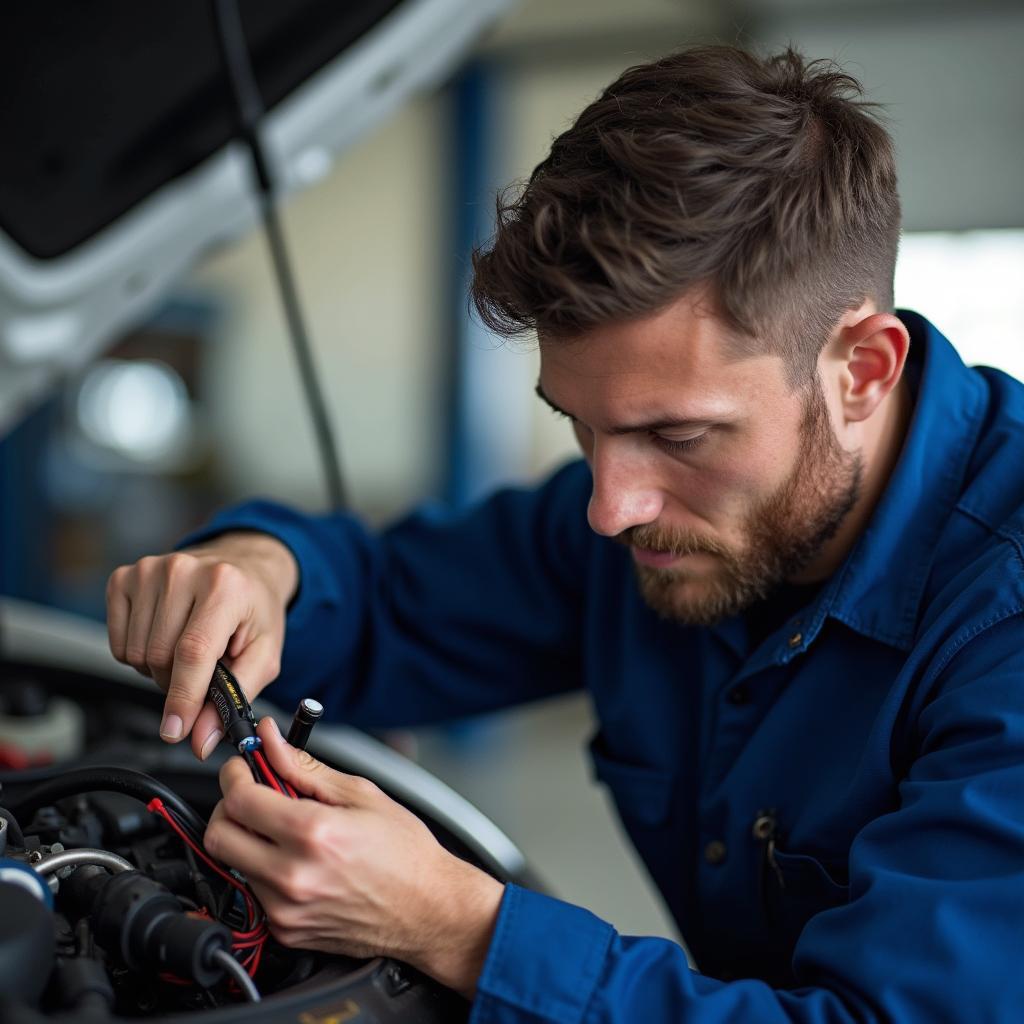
119, 168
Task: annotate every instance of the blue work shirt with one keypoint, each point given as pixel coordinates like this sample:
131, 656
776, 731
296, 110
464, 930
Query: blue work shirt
834, 812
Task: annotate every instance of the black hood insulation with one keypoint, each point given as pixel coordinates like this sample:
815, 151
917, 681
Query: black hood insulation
104, 102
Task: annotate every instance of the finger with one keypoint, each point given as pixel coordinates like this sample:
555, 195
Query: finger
170, 615
118, 611
142, 605
234, 773
218, 812
257, 664
259, 808
207, 732
251, 854
201, 643
312, 777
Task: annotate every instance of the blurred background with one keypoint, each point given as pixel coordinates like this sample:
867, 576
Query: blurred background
200, 405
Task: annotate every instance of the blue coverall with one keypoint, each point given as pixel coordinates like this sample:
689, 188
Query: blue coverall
833, 814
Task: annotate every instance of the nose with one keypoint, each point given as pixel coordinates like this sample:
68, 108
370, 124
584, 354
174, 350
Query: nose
625, 491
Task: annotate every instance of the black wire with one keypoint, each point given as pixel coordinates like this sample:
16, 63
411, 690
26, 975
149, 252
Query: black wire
200, 885
253, 766
249, 110
268, 776
218, 907
109, 779
285, 788
273, 780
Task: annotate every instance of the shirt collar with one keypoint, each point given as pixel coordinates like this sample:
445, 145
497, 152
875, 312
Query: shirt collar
877, 591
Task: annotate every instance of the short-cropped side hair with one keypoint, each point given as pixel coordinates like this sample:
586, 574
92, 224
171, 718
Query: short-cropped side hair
768, 181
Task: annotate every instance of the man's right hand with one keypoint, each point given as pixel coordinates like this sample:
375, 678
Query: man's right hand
172, 616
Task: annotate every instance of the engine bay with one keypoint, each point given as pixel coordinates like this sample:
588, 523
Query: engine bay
110, 908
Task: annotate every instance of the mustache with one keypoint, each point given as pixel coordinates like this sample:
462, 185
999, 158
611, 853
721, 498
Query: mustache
652, 537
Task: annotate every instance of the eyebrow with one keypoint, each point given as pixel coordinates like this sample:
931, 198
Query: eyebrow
663, 423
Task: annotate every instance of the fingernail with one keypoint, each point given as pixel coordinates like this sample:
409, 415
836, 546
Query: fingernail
170, 727
210, 742
273, 724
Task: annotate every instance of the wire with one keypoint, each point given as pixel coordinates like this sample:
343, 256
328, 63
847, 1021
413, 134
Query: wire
271, 778
267, 777
253, 766
252, 939
109, 779
249, 110
237, 972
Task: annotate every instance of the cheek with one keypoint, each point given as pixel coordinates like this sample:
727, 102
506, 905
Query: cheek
725, 486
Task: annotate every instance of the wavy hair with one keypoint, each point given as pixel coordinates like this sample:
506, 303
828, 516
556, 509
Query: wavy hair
769, 181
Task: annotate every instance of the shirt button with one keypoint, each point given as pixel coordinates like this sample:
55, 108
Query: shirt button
715, 852
738, 695
794, 640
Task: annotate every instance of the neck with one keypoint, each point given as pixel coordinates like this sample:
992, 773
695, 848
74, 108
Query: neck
883, 440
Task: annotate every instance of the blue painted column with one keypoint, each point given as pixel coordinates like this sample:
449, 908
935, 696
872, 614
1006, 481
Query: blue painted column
488, 408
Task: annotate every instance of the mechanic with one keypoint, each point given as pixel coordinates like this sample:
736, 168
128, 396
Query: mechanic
787, 571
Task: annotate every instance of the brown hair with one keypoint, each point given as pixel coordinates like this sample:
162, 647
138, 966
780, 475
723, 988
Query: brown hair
769, 180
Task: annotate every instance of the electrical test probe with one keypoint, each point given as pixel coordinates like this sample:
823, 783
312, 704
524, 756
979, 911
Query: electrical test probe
239, 724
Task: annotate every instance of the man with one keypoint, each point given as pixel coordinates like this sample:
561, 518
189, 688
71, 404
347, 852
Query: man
811, 707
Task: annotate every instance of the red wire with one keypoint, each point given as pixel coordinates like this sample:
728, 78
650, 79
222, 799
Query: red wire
268, 775
271, 777
157, 805
255, 965
257, 934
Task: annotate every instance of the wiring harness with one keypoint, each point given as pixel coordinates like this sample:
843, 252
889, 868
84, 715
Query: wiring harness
235, 908
239, 723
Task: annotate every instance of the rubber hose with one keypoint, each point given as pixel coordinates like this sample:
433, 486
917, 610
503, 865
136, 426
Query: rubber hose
108, 779
14, 833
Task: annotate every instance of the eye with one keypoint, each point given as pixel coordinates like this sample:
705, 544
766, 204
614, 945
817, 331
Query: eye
678, 447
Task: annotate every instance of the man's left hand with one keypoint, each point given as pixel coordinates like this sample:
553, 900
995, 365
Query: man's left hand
350, 871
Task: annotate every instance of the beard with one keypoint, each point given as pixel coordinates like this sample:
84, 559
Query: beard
783, 533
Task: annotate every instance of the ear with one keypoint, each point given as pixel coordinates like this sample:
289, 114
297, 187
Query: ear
872, 351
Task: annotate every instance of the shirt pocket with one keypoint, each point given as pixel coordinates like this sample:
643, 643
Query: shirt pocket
642, 794
798, 886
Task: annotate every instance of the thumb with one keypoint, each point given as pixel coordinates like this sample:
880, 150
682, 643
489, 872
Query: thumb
310, 776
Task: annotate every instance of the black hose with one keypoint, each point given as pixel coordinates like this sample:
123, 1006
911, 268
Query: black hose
14, 833
108, 779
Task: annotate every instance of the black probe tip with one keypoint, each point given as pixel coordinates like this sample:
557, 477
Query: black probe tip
307, 714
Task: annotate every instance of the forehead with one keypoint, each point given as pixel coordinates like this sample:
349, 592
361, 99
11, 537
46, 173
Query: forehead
682, 356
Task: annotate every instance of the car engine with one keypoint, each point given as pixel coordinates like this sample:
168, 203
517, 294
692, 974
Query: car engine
110, 908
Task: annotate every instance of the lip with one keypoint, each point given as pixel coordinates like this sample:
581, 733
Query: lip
654, 559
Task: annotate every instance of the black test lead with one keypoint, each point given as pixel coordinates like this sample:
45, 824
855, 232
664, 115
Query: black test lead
239, 723
307, 714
